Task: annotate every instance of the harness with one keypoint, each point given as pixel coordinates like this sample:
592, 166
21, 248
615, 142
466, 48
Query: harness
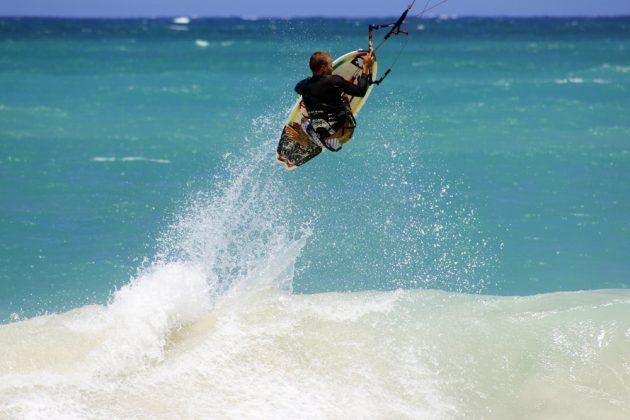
327, 119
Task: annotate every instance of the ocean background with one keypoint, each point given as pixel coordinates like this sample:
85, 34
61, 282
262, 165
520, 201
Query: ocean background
466, 255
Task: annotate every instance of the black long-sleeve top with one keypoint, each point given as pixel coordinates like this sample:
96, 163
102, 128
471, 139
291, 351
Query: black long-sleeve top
327, 89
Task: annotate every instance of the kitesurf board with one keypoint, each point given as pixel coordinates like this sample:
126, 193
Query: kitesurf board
293, 154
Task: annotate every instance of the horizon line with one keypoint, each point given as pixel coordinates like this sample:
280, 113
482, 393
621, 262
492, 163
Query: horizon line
443, 16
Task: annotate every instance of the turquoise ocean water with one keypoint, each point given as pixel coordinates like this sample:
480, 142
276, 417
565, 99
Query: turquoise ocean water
467, 254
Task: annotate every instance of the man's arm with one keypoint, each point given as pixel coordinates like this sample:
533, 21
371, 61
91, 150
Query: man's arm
360, 89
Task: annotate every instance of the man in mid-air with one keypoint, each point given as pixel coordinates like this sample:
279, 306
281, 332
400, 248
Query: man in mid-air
330, 118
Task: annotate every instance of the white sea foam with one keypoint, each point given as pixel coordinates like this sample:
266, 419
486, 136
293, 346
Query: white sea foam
142, 314
580, 81
182, 20
573, 80
103, 159
127, 159
140, 158
158, 351
202, 43
616, 68
210, 328
178, 27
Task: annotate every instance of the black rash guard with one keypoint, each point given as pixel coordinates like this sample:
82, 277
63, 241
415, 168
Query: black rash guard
322, 98
327, 89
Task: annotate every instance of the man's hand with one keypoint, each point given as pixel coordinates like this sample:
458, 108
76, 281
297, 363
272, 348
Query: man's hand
368, 60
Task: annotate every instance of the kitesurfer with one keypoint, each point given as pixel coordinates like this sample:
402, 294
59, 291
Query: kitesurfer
330, 118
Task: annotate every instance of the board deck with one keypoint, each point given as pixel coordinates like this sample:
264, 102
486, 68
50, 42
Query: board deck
292, 153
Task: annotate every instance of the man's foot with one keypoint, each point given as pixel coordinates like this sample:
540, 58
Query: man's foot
294, 132
333, 144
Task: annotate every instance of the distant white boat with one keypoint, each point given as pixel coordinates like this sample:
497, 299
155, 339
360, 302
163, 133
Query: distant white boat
182, 20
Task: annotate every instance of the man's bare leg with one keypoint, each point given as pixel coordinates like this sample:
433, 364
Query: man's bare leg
294, 132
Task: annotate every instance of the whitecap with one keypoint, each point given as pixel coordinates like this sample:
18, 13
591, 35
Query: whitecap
573, 80
178, 28
202, 43
103, 159
140, 158
503, 83
616, 68
579, 81
128, 159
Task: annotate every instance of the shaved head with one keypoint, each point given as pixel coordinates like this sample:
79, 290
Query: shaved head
318, 60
